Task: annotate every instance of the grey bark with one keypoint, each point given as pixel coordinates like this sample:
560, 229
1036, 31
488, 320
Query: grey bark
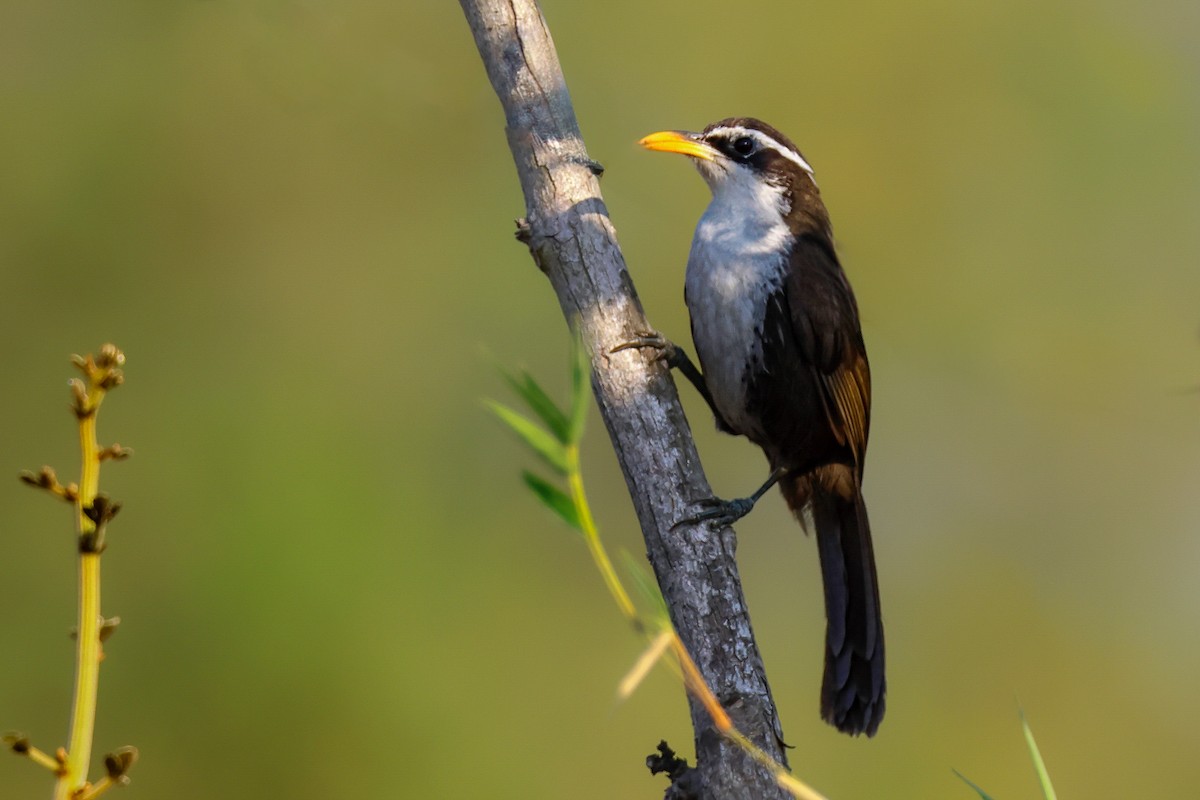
571, 238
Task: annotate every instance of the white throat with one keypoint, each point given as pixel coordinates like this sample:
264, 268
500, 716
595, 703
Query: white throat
738, 260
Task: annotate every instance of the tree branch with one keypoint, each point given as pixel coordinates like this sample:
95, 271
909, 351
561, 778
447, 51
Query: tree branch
572, 240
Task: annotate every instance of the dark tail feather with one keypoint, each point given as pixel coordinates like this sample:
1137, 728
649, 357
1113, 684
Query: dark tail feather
853, 689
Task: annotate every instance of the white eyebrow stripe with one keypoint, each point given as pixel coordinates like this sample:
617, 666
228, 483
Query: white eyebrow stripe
768, 141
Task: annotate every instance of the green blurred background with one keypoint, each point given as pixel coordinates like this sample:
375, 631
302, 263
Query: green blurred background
296, 219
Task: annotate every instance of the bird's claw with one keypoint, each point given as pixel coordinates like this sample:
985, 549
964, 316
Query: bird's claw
722, 512
667, 350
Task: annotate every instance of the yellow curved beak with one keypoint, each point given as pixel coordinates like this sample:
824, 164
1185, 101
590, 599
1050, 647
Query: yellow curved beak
679, 142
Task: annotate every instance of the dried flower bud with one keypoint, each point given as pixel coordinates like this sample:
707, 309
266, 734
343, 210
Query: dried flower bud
110, 356
19, 742
120, 761
115, 452
108, 627
112, 380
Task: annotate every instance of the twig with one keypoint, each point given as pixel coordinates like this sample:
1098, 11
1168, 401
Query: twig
569, 234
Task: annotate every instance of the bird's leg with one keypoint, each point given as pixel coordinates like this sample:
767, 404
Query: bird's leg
727, 512
674, 357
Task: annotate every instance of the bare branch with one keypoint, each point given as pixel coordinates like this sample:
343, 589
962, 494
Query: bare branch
571, 238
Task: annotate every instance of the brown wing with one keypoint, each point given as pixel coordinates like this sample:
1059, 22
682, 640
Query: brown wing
825, 321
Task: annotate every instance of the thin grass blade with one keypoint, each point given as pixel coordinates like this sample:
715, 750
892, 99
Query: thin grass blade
646, 584
1038, 764
646, 661
982, 794
581, 389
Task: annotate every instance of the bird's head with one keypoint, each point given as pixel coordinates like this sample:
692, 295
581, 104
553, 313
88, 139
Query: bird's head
738, 148
744, 157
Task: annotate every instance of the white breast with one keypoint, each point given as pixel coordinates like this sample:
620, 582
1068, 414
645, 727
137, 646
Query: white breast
737, 262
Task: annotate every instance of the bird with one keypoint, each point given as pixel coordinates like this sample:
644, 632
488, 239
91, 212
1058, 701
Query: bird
776, 328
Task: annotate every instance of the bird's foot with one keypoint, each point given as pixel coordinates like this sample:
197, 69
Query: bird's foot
727, 512
675, 357
722, 512
668, 351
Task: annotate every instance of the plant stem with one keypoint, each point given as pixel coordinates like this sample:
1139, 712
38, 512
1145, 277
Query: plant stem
592, 536
87, 658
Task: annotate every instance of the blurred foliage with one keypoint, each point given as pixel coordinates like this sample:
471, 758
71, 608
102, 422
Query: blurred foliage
296, 218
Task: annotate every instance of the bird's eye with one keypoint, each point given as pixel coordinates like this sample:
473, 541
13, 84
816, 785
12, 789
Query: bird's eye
743, 145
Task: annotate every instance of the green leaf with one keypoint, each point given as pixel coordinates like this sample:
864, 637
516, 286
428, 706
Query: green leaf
542, 443
540, 403
553, 498
646, 584
581, 387
982, 794
1038, 764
